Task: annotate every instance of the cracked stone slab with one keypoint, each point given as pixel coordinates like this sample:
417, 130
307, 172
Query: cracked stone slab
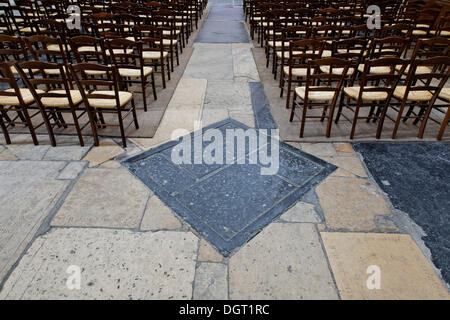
158, 216
104, 198
404, 271
244, 65
319, 149
344, 148
351, 203
212, 62
107, 150
301, 212
233, 96
284, 261
28, 192
351, 164
114, 264
72, 170
211, 282
5, 154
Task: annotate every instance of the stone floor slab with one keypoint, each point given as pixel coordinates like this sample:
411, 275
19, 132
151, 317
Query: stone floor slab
244, 65
284, 261
301, 212
212, 62
351, 164
232, 96
5, 154
222, 32
114, 264
107, 150
72, 170
104, 198
405, 273
211, 282
350, 204
158, 216
319, 149
28, 192
207, 253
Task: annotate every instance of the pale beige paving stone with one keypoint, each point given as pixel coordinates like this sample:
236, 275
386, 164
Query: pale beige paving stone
114, 264
344, 148
245, 118
111, 164
339, 172
211, 282
350, 203
351, 164
301, 212
158, 216
405, 273
104, 198
29, 191
5, 154
106, 150
319, 149
208, 253
284, 261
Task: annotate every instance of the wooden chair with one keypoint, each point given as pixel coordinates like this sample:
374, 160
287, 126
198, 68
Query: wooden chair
109, 101
322, 96
13, 49
17, 101
375, 91
165, 20
59, 96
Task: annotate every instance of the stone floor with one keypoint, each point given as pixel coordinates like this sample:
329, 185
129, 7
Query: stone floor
69, 207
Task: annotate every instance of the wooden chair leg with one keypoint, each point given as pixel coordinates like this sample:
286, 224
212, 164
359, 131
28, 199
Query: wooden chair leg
444, 124
122, 130
136, 124
77, 127
143, 82
153, 86
30, 127
397, 121
302, 126
355, 120
5, 130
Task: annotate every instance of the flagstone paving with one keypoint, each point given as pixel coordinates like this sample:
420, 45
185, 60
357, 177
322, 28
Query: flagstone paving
71, 206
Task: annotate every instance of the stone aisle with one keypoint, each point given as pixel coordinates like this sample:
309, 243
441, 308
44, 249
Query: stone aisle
71, 207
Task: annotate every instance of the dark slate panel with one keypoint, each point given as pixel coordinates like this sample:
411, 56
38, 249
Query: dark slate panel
228, 203
416, 177
261, 109
228, 14
223, 32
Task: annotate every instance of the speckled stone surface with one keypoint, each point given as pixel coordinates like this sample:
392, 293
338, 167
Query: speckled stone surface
416, 177
228, 204
261, 110
223, 25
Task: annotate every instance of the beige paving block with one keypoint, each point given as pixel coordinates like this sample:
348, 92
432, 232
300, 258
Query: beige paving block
344, 148
339, 172
350, 203
110, 165
5, 154
284, 261
405, 273
113, 264
319, 149
208, 253
211, 282
351, 164
107, 150
247, 119
189, 92
158, 216
104, 198
301, 212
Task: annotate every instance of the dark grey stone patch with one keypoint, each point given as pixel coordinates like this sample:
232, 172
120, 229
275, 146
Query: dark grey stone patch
225, 3
222, 32
228, 204
226, 14
261, 109
416, 177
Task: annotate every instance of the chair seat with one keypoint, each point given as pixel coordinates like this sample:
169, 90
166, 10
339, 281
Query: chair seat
443, 33
168, 32
124, 98
94, 72
326, 53
86, 49
296, 72
14, 70
14, 101
134, 73
416, 32
278, 44
419, 95
376, 70
55, 47
62, 102
445, 94
326, 69
154, 55
353, 92
166, 42
314, 95
26, 30
120, 51
54, 71
419, 70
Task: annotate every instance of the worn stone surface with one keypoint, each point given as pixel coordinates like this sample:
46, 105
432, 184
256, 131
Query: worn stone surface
28, 151
28, 192
72, 170
245, 118
70, 152
405, 273
114, 264
104, 198
350, 203
244, 66
351, 164
343, 148
342, 173
319, 149
301, 212
233, 96
284, 261
111, 164
208, 253
158, 216
5, 154
107, 150
211, 282
211, 62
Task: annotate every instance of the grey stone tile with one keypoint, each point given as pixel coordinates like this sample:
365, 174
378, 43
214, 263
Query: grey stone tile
223, 32
284, 261
244, 65
301, 212
158, 216
212, 62
114, 264
211, 282
72, 170
28, 192
232, 96
104, 198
